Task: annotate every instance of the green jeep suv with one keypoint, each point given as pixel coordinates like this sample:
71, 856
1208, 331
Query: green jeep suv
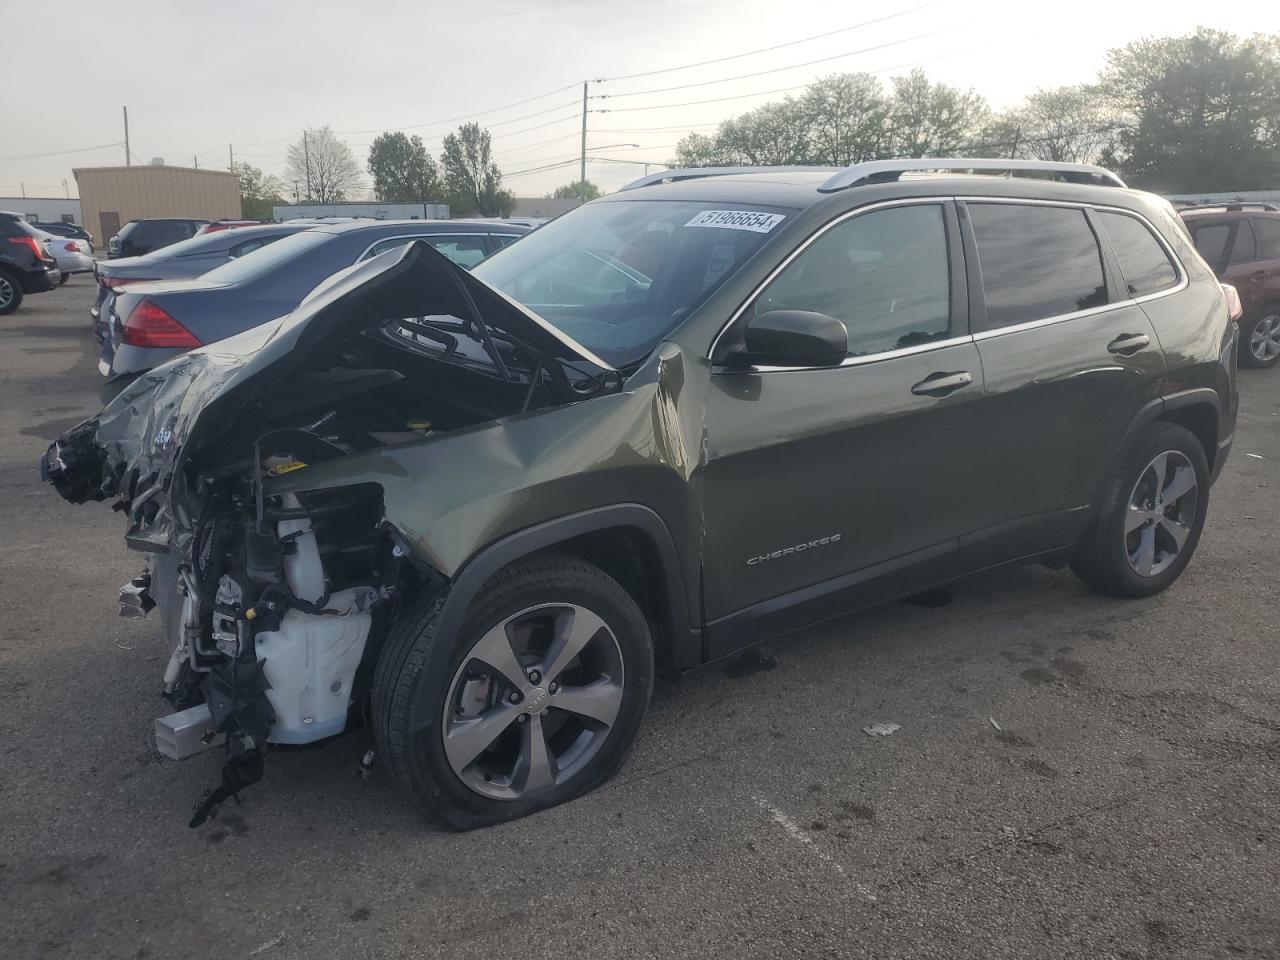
707, 410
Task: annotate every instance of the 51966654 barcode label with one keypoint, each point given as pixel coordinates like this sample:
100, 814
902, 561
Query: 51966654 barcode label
737, 220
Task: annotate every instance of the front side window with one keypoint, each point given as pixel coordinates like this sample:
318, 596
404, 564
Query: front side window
1143, 261
618, 275
883, 274
1267, 230
1037, 262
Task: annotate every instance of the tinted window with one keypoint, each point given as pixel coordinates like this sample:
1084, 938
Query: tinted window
1143, 262
1211, 240
883, 274
1036, 262
1267, 230
1244, 250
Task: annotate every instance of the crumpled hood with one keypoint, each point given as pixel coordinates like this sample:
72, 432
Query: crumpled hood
138, 444
130, 449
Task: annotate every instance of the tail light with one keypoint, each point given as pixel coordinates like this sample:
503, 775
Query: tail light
72, 247
1234, 307
115, 283
150, 325
32, 244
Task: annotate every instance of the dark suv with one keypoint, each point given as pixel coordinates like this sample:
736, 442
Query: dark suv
707, 410
1241, 241
25, 265
138, 237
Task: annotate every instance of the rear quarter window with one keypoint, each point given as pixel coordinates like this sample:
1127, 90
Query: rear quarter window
1037, 261
1211, 240
1143, 261
1267, 231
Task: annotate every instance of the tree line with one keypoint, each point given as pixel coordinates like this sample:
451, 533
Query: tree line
1197, 113
321, 168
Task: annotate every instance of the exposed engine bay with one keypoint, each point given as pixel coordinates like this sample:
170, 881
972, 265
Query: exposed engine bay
275, 605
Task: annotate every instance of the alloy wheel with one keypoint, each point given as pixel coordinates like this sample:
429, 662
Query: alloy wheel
1161, 514
7, 291
533, 701
1264, 341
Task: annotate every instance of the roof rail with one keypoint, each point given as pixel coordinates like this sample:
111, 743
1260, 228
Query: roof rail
1230, 205
878, 171
696, 173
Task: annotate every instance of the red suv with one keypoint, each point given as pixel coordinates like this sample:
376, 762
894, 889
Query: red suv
1241, 241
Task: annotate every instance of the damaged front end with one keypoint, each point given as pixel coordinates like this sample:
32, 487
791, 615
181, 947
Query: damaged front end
274, 604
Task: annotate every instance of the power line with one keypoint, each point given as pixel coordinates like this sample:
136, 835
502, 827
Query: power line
778, 46
468, 116
758, 93
59, 153
761, 73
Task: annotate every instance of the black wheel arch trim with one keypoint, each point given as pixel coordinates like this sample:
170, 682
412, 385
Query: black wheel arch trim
686, 639
1152, 410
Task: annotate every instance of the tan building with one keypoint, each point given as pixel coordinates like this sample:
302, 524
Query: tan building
111, 196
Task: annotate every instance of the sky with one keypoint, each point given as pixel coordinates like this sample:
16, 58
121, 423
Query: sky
251, 75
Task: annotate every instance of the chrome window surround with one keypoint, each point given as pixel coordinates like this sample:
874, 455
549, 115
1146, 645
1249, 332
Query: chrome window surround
1182, 283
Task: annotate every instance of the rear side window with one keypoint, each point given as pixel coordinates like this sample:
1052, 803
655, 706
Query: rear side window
1267, 231
884, 274
1037, 262
1143, 261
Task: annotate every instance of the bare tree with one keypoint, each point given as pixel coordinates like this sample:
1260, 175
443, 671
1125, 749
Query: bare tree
324, 165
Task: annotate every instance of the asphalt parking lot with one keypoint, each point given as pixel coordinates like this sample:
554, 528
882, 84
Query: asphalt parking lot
1073, 776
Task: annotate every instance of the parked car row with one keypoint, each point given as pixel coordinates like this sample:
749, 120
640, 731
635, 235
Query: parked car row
215, 286
483, 491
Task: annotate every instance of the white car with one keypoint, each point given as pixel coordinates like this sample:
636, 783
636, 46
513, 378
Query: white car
73, 256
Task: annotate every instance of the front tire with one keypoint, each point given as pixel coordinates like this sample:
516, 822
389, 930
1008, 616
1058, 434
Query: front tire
536, 701
1260, 339
1151, 517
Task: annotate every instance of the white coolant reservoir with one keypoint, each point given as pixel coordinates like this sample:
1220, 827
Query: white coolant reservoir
311, 662
302, 567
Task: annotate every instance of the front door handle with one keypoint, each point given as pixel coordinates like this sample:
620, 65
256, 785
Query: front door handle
1127, 344
941, 384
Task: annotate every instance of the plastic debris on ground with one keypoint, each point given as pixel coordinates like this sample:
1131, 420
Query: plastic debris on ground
881, 729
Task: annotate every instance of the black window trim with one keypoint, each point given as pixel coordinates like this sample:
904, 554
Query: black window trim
977, 308
960, 309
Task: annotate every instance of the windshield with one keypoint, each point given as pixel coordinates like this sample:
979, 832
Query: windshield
268, 258
617, 276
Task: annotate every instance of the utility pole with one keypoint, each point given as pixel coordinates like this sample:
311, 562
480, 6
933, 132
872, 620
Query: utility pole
127, 154
195, 160
24, 191
65, 188
582, 185
231, 159
306, 156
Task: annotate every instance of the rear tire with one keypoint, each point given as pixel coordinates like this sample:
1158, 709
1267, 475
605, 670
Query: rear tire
1260, 339
1149, 521
432, 693
10, 293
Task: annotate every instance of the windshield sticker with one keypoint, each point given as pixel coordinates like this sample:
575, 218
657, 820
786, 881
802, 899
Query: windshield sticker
737, 220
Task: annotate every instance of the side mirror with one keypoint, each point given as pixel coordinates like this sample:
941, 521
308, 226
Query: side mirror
794, 338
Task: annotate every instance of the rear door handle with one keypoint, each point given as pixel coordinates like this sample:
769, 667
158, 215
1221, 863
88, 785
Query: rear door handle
1127, 344
941, 384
